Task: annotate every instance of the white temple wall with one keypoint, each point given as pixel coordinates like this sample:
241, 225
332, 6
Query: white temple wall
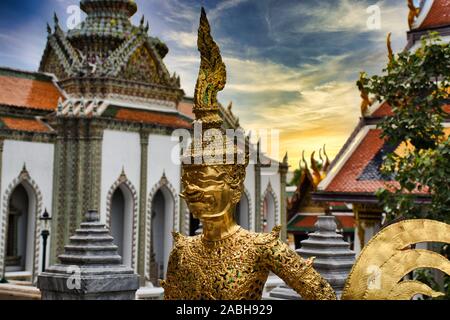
120, 150
163, 159
160, 150
270, 176
249, 185
38, 160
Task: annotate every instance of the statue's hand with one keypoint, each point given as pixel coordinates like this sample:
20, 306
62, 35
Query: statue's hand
298, 273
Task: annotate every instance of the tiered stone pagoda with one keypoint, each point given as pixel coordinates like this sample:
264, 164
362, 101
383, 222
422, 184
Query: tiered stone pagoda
106, 56
333, 258
90, 268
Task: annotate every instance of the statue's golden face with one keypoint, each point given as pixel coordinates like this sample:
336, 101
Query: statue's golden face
207, 193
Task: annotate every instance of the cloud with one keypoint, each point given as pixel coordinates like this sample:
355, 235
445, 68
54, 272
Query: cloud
301, 102
291, 65
303, 82
334, 16
183, 39
223, 6
21, 49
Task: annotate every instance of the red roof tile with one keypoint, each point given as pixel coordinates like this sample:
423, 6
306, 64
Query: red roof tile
385, 109
346, 179
169, 120
185, 107
438, 16
347, 222
307, 223
28, 93
21, 124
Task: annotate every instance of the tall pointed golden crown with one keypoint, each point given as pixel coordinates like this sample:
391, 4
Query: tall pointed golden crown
212, 78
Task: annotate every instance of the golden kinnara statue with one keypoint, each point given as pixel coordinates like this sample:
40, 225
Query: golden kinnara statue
227, 262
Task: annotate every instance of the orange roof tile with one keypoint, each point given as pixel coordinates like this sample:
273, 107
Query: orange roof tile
438, 16
185, 107
28, 93
347, 178
21, 124
169, 120
385, 109
308, 223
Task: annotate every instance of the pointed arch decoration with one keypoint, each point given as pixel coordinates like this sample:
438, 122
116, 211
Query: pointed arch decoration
124, 181
187, 220
23, 178
269, 190
250, 209
162, 183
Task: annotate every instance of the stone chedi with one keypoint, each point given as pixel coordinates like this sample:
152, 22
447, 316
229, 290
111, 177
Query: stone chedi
90, 268
333, 258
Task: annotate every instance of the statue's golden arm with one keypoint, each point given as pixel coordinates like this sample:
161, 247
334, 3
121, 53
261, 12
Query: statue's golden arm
170, 285
298, 273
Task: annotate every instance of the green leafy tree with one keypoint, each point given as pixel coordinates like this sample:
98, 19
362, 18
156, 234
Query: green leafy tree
416, 85
296, 178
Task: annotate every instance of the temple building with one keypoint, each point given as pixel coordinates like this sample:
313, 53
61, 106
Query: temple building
92, 129
354, 176
303, 211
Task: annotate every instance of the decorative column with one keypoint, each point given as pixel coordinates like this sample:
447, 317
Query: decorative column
77, 175
56, 199
2, 227
90, 268
283, 169
368, 223
142, 205
185, 215
258, 222
334, 259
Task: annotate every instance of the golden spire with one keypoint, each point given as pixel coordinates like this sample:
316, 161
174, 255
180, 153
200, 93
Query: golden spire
389, 47
304, 161
316, 172
413, 13
366, 102
212, 77
326, 165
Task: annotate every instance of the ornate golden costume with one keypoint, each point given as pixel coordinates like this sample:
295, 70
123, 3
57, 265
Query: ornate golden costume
227, 262
237, 267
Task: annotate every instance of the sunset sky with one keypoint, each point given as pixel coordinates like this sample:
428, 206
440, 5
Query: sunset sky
292, 64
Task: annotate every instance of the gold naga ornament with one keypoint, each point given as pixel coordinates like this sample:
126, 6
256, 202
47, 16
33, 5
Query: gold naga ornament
227, 262
366, 102
389, 48
413, 13
318, 173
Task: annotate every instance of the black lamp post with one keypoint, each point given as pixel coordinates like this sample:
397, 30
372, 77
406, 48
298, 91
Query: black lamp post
45, 218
